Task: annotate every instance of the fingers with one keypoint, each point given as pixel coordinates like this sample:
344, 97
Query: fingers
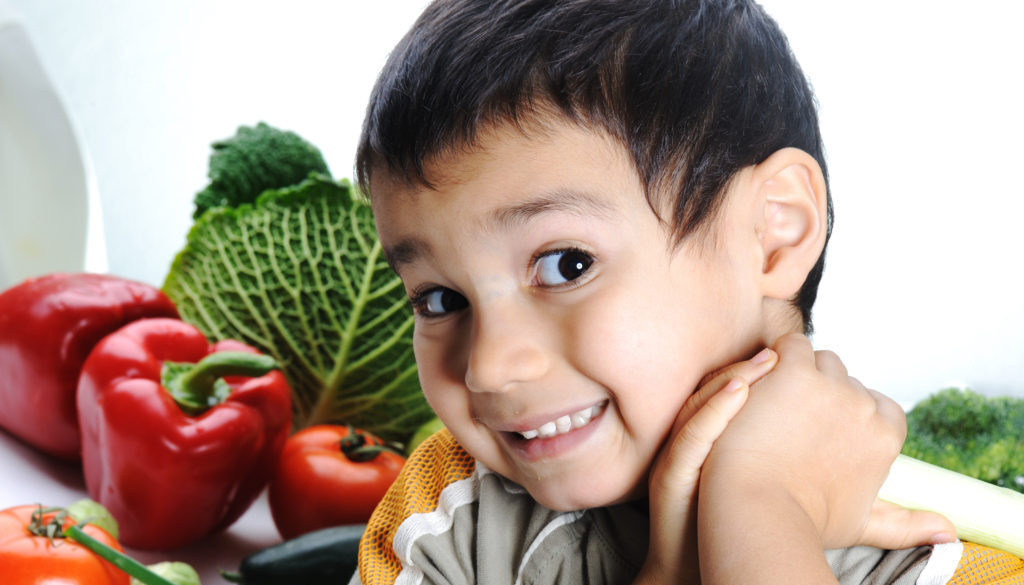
674, 480
831, 451
795, 349
794, 346
702, 420
676, 471
893, 414
829, 363
749, 371
691, 444
893, 527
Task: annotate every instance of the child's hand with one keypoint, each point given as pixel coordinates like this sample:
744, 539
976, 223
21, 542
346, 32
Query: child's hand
797, 471
672, 555
893, 527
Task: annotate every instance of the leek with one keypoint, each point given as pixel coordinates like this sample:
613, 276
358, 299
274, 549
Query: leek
983, 513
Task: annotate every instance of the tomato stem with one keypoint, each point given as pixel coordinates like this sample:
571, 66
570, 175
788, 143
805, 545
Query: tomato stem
118, 559
357, 447
52, 529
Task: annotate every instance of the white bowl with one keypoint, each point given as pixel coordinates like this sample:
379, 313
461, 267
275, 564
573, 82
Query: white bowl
45, 184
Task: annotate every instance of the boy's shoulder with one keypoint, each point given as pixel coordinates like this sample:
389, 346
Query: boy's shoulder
956, 563
438, 462
981, 564
444, 495
446, 515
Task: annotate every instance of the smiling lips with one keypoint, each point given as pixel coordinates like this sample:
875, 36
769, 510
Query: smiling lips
564, 424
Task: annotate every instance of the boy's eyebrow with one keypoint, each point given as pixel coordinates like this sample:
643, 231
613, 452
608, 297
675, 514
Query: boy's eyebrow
575, 202
405, 252
409, 250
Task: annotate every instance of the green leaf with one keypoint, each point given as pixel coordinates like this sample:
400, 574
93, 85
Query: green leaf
176, 572
301, 276
423, 433
88, 511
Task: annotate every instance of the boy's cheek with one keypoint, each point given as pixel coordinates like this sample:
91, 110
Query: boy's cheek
441, 354
641, 340
440, 388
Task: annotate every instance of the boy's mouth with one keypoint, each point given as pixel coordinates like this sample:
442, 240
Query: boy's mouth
564, 424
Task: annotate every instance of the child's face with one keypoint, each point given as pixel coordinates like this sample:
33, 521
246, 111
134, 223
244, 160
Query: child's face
558, 331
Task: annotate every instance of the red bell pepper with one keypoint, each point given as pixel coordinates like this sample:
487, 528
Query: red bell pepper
48, 325
178, 436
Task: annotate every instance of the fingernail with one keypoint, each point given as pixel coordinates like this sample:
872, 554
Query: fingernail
762, 356
942, 538
734, 385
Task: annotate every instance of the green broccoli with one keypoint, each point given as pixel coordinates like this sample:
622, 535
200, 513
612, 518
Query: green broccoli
253, 160
976, 435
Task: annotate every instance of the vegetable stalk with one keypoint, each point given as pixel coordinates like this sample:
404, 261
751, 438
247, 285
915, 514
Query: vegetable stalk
116, 558
200, 386
983, 513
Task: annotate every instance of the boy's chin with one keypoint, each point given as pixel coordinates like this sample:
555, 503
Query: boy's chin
585, 495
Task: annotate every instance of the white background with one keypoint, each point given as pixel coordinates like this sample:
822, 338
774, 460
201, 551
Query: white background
920, 108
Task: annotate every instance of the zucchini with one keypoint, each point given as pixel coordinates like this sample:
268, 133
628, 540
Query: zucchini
326, 556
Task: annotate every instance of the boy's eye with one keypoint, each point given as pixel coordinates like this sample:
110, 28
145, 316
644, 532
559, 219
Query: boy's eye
439, 301
562, 266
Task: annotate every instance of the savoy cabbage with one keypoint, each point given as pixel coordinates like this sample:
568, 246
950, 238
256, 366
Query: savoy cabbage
300, 274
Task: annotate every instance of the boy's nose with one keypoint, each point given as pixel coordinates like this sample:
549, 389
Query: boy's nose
505, 351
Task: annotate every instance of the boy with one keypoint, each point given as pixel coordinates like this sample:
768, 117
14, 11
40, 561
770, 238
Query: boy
611, 218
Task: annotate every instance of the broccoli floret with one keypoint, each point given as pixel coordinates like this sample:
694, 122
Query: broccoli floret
253, 160
977, 435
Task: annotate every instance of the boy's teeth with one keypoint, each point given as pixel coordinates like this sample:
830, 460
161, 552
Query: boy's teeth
563, 424
582, 417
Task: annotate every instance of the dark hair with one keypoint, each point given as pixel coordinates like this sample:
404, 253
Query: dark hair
695, 90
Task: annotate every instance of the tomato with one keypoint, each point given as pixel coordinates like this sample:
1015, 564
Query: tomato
329, 475
28, 559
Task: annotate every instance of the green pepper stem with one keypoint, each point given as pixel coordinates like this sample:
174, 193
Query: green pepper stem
194, 386
118, 559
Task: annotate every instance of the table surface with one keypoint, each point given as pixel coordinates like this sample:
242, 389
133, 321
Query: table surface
30, 477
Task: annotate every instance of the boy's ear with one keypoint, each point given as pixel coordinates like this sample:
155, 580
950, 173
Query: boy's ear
792, 219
